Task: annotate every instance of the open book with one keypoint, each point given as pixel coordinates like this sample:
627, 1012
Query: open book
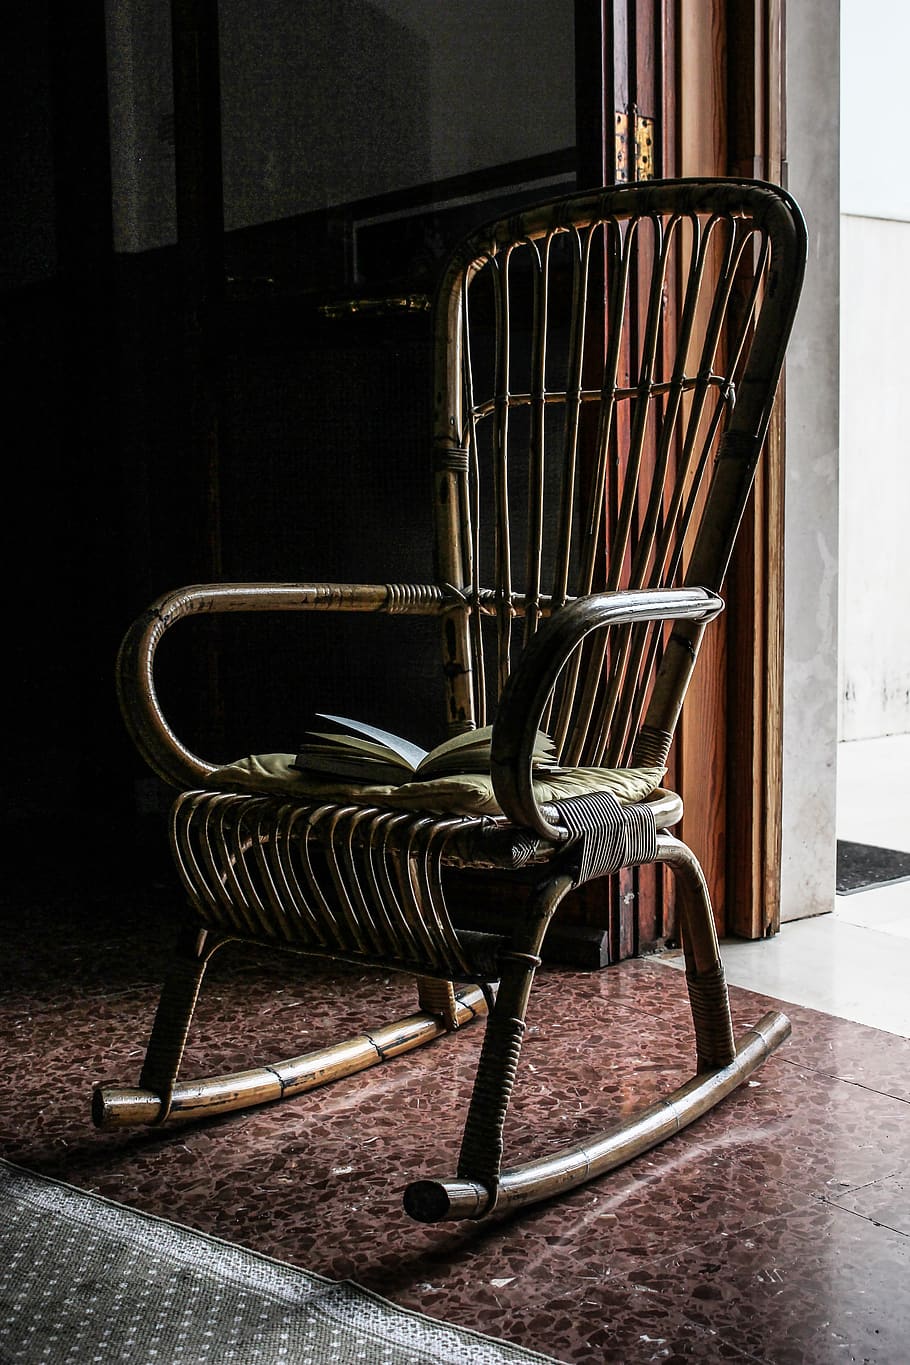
350, 748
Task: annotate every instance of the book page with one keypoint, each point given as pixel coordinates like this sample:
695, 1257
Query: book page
470, 752
353, 748
411, 754
470, 740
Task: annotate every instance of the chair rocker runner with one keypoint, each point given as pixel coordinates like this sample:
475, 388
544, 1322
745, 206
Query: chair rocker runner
606, 367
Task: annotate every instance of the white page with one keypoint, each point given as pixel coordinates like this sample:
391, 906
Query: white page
411, 753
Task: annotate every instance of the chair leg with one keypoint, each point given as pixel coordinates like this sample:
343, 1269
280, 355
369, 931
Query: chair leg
175, 1014
170, 1029
474, 1191
438, 997
714, 1042
722, 1065
160, 1096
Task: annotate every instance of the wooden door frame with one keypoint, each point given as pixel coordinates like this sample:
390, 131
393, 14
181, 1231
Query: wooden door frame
712, 78
756, 115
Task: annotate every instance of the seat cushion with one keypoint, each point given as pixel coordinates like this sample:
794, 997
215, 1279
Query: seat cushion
468, 794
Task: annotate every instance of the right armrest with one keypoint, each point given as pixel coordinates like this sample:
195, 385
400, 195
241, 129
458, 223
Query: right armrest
145, 720
528, 689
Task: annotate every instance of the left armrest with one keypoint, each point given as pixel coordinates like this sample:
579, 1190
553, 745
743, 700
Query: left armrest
145, 720
529, 687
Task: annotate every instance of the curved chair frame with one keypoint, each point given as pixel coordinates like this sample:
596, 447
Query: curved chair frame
605, 668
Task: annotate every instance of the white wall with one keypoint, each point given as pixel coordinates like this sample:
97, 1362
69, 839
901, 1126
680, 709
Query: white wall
875, 148
811, 525
875, 336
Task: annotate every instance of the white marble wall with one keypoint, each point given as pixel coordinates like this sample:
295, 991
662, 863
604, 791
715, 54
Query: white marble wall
875, 478
811, 530
875, 306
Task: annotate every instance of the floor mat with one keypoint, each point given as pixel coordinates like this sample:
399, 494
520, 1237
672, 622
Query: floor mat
85, 1279
861, 866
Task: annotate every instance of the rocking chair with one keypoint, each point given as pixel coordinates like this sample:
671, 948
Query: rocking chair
606, 367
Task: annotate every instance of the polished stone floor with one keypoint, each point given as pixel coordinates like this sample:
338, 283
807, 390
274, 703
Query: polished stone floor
854, 961
775, 1230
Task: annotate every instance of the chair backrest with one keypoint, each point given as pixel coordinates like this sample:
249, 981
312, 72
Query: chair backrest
606, 367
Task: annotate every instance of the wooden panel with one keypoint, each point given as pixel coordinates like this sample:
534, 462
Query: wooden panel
637, 73
646, 65
702, 748
755, 588
667, 109
730, 119
702, 89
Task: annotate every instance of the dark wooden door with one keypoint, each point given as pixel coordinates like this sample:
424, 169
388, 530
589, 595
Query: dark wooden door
306, 340
730, 121
328, 155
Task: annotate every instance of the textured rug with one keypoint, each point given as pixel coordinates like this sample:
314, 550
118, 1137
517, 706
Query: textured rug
861, 866
87, 1282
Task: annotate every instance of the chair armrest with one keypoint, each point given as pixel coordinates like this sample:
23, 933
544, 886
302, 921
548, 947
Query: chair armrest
529, 686
145, 720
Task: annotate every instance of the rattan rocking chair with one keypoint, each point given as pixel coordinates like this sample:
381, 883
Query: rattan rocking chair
606, 367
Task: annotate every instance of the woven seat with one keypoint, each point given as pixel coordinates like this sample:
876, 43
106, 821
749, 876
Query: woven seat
606, 367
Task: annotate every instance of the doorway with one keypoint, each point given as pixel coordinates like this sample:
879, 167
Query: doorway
874, 642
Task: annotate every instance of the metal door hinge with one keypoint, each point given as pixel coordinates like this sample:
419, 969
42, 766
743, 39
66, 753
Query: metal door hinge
643, 164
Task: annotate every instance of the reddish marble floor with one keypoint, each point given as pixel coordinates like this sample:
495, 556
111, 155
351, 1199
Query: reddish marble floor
775, 1230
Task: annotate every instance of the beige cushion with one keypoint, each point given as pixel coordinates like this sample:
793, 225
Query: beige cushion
462, 794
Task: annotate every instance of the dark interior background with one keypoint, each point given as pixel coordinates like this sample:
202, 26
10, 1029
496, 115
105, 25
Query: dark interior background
285, 437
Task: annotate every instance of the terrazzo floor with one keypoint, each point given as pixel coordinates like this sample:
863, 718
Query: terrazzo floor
775, 1230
